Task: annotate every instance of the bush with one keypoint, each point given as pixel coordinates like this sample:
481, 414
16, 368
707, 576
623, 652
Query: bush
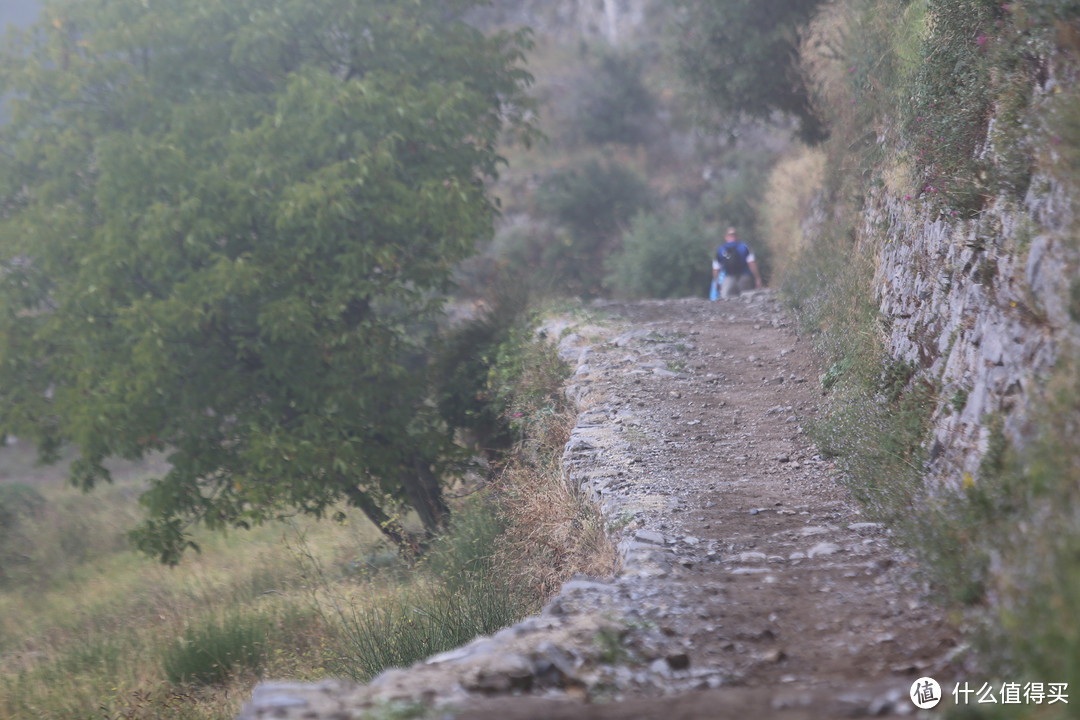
591, 203
463, 362
594, 198
662, 257
614, 106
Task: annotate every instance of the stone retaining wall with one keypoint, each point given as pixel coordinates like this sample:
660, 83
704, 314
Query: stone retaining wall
982, 306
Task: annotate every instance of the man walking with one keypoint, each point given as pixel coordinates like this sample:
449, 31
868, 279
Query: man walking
740, 269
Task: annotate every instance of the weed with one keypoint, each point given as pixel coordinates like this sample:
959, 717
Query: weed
610, 647
959, 399
676, 365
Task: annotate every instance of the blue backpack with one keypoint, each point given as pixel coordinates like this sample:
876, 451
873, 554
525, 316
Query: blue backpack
732, 258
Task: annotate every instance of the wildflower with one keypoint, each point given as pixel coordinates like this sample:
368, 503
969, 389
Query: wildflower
981, 40
907, 197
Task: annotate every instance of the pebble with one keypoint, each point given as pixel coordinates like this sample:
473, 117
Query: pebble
823, 548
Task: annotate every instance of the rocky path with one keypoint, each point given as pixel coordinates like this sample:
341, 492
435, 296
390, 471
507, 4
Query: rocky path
750, 586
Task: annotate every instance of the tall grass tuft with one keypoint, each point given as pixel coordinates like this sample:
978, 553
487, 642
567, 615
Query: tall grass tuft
213, 650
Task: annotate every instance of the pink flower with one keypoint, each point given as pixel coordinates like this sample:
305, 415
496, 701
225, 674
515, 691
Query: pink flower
907, 197
981, 40
851, 70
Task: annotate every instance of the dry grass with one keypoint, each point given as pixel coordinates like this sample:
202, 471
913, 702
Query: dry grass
792, 186
553, 531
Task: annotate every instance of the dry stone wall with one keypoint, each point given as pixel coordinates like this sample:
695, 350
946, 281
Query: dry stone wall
981, 307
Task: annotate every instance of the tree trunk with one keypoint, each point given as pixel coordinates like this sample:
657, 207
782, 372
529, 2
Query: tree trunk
387, 525
424, 493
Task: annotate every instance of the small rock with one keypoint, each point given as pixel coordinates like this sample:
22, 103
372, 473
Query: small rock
775, 655
660, 667
650, 537
823, 548
857, 527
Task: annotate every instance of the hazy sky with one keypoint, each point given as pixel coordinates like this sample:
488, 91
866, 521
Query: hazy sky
20, 12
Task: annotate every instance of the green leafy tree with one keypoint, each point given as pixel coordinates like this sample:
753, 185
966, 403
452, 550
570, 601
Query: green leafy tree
590, 202
742, 57
614, 104
662, 257
220, 223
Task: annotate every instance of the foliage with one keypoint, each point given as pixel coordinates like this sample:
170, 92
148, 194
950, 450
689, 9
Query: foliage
222, 223
661, 257
981, 61
591, 202
464, 360
593, 199
614, 106
742, 56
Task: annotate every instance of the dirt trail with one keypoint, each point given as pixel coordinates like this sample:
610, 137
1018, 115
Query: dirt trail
805, 608
751, 587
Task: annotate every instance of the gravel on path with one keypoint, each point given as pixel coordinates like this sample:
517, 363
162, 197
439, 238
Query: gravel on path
750, 584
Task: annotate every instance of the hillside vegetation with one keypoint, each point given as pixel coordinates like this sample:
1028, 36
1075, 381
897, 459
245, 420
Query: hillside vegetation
950, 124
230, 233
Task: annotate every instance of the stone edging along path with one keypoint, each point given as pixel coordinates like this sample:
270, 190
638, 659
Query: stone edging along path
749, 586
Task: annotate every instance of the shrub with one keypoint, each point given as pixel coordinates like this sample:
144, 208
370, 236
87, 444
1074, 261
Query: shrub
662, 256
593, 198
463, 361
591, 203
614, 106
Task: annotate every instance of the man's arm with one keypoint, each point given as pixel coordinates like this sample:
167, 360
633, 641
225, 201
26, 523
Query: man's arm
752, 264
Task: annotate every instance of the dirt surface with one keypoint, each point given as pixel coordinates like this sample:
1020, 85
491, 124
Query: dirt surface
750, 586
805, 609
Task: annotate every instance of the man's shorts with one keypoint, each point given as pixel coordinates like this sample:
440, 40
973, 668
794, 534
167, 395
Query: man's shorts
733, 286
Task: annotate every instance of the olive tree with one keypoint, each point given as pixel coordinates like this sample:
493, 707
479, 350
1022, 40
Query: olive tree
221, 222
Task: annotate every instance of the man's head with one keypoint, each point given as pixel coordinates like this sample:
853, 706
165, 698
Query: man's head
731, 235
